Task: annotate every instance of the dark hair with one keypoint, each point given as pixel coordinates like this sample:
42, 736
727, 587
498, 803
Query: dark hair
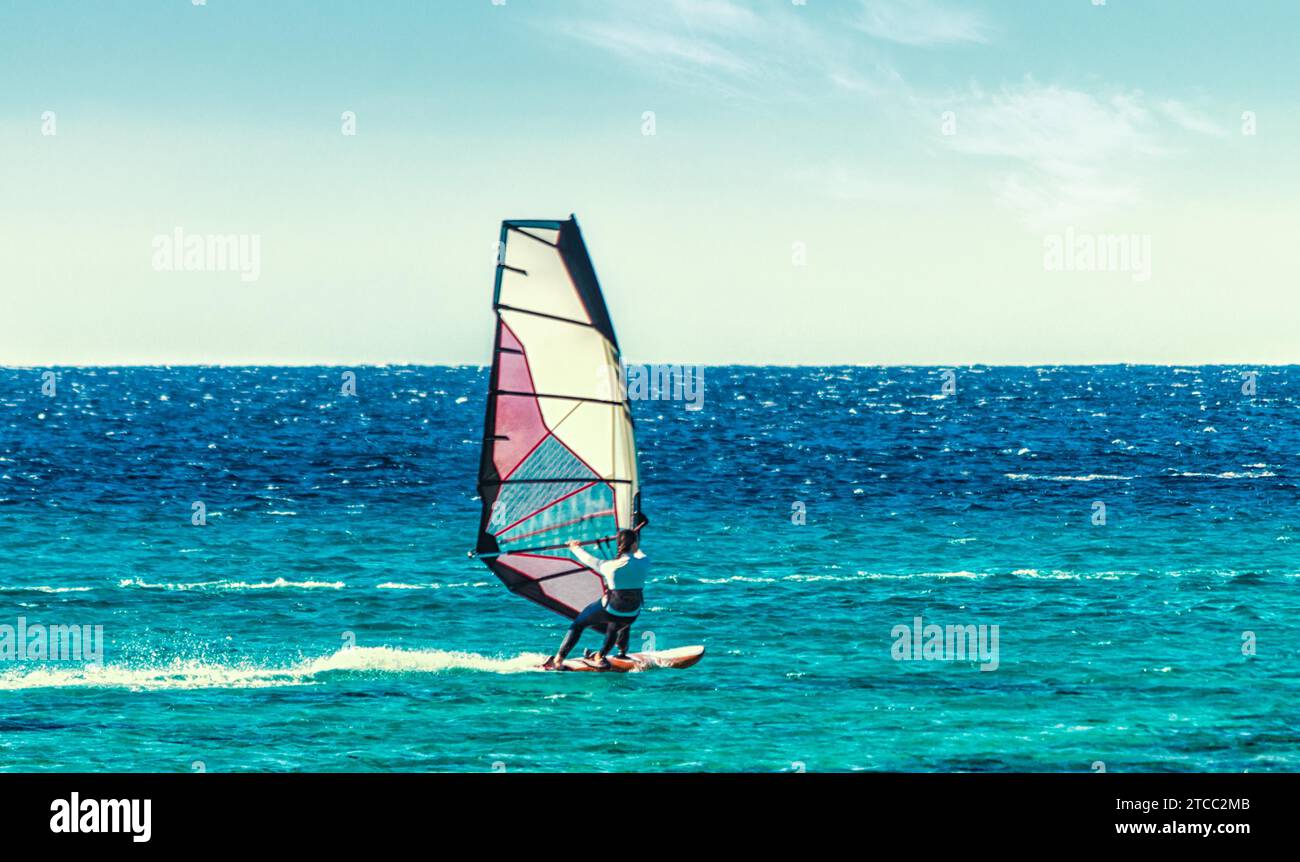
627, 540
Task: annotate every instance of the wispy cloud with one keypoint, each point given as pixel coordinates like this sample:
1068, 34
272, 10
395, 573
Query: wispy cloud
1057, 154
641, 43
877, 79
715, 41
857, 183
921, 23
1191, 119
1051, 153
729, 46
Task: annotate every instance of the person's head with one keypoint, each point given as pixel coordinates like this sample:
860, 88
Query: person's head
628, 541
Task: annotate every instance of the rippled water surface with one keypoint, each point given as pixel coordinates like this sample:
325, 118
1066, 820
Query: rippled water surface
335, 520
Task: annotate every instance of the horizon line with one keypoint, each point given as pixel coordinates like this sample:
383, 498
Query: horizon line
975, 364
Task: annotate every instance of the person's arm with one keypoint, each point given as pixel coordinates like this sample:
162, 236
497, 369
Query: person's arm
583, 557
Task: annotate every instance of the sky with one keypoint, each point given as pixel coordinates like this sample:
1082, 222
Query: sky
777, 182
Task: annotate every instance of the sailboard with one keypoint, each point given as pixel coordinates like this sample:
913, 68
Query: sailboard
558, 462
681, 657
559, 452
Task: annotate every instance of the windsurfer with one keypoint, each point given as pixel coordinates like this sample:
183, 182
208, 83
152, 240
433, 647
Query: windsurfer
624, 579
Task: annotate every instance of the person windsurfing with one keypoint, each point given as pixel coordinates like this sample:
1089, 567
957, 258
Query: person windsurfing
624, 580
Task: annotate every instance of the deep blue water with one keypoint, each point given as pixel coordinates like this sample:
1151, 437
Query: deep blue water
333, 518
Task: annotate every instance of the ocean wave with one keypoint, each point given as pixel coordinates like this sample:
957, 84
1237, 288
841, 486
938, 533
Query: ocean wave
1091, 477
237, 586
1055, 575
277, 584
884, 576
1105, 477
1058, 575
191, 674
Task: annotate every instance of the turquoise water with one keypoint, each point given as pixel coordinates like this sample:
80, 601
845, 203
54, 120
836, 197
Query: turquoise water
336, 520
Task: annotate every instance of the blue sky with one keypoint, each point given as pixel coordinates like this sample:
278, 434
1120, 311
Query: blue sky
859, 182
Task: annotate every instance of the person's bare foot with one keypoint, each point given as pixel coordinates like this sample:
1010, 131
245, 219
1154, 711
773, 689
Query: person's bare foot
553, 663
599, 661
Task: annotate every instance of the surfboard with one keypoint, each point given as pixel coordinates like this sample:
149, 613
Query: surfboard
681, 657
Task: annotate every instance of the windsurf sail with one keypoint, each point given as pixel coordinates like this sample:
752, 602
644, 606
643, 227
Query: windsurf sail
559, 456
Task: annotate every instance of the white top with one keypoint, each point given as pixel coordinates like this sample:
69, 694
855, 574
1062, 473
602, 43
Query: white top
626, 572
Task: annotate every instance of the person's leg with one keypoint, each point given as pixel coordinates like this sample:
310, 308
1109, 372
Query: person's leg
570, 638
575, 631
612, 632
624, 637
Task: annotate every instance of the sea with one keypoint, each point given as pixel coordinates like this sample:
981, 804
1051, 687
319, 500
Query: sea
1065, 569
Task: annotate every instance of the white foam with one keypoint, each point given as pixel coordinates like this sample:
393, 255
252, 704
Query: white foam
390, 660
193, 674
882, 576
277, 584
1091, 477
1058, 575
